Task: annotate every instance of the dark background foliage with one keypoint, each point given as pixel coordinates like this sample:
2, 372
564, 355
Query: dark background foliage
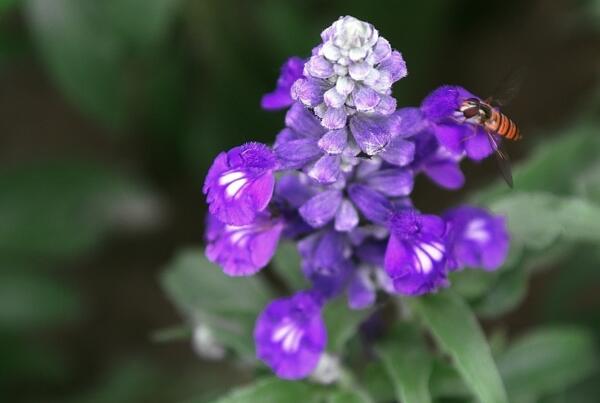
111, 111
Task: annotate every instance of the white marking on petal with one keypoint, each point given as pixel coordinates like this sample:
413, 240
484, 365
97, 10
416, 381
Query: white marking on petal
476, 231
234, 187
289, 335
423, 259
435, 253
230, 176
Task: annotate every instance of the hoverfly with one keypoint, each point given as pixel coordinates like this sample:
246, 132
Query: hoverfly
495, 123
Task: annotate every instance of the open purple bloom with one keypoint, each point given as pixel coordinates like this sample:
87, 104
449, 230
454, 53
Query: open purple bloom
281, 97
242, 250
442, 108
240, 183
415, 257
290, 335
476, 238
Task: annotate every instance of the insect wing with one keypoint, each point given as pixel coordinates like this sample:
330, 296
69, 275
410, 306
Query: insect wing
508, 88
502, 160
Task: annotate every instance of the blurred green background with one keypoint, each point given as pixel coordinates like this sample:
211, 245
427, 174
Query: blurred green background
111, 111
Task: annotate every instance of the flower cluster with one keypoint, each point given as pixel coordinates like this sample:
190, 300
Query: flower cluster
338, 182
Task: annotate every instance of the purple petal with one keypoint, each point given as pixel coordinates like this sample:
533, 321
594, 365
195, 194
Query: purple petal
294, 189
478, 146
452, 136
321, 209
334, 118
372, 204
325, 261
370, 132
361, 290
333, 98
309, 91
319, 67
445, 173
407, 122
476, 238
371, 252
326, 170
296, 153
242, 250
416, 267
290, 335
381, 51
386, 105
359, 71
365, 99
281, 97
391, 182
334, 141
303, 122
443, 102
399, 152
346, 218
394, 65
240, 183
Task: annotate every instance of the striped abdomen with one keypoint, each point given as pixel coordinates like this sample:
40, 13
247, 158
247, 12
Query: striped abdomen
503, 126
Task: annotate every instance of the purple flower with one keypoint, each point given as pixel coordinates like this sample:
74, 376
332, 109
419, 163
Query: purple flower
240, 183
476, 238
435, 161
290, 335
281, 97
326, 261
351, 72
242, 250
454, 132
415, 256
346, 163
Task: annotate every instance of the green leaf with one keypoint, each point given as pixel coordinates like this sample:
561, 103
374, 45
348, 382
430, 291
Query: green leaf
551, 167
456, 329
506, 294
447, 382
377, 382
547, 361
59, 209
539, 219
342, 323
229, 305
346, 396
273, 390
409, 366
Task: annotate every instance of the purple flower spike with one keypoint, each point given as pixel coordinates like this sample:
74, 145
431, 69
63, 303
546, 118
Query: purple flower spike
351, 71
290, 335
415, 256
242, 250
281, 97
460, 136
476, 238
240, 183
